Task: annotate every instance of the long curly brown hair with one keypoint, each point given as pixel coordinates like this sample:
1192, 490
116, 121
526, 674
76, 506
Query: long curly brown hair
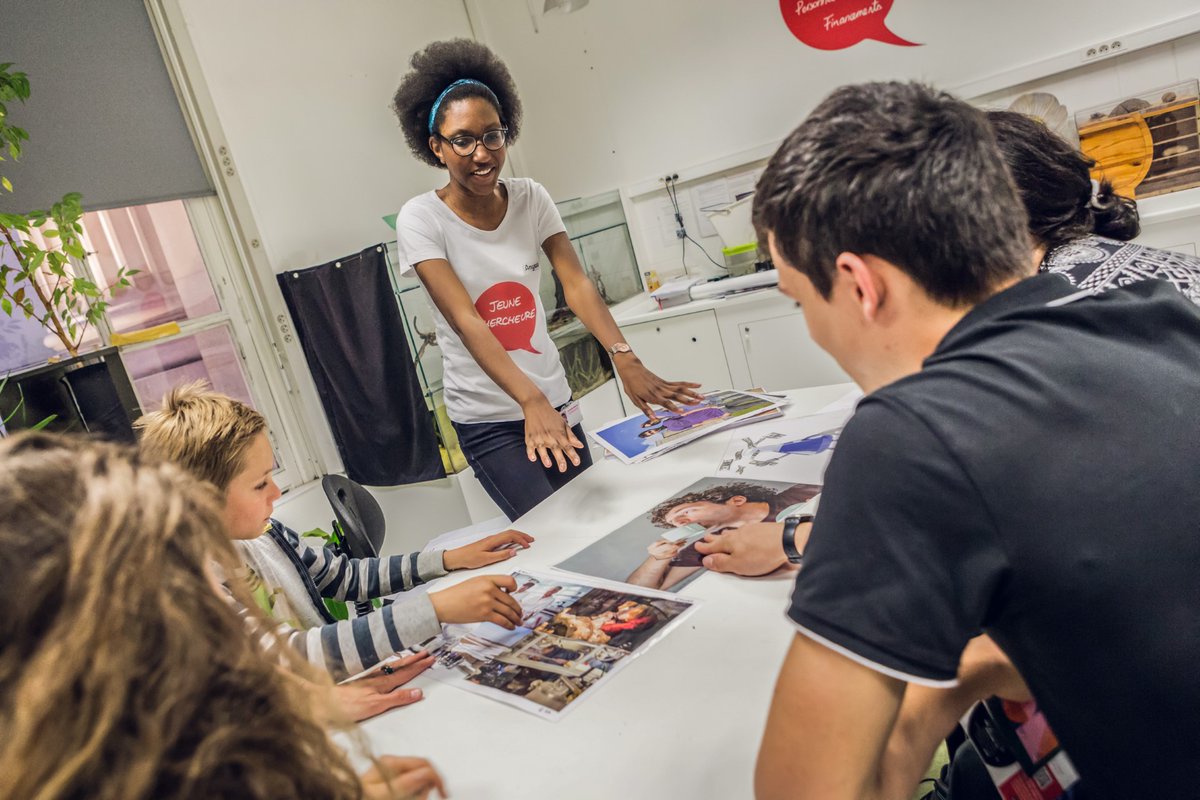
437, 66
123, 672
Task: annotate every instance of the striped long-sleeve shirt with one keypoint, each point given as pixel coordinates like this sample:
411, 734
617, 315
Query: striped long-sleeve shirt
295, 577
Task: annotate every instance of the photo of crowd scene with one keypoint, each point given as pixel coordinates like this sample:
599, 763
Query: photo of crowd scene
572, 637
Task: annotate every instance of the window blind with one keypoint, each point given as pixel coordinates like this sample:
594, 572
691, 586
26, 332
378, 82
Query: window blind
102, 115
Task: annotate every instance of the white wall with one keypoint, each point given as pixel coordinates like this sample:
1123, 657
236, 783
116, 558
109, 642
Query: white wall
615, 93
303, 91
625, 90
414, 514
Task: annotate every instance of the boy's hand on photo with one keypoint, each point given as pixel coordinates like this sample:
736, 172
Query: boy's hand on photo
378, 692
482, 599
661, 550
487, 551
750, 550
402, 778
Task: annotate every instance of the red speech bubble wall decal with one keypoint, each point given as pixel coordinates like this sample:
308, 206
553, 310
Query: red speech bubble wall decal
510, 312
837, 24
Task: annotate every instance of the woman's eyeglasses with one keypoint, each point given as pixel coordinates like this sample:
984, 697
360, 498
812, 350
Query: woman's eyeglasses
465, 145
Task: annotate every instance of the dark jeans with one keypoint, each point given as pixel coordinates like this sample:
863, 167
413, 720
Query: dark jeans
969, 778
496, 451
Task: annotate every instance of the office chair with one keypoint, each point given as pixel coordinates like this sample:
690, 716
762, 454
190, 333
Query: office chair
360, 524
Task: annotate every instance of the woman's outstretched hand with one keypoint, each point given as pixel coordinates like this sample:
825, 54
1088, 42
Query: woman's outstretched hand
547, 436
646, 389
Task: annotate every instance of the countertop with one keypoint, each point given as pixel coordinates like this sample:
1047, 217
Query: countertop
642, 308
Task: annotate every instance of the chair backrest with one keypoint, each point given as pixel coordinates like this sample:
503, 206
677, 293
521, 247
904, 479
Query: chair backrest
358, 514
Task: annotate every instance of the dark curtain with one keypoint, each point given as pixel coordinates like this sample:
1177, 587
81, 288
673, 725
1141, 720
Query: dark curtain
347, 317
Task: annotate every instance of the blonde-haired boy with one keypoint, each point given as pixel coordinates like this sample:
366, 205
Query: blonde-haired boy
224, 441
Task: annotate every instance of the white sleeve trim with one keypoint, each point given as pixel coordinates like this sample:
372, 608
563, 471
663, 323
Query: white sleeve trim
871, 665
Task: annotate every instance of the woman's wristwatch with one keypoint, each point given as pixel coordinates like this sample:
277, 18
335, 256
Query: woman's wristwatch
790, 524
619, 347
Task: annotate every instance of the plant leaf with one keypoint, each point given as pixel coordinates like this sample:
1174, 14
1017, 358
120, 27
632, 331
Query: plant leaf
37, 426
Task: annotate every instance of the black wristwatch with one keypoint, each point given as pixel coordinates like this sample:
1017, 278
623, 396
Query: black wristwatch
790, 524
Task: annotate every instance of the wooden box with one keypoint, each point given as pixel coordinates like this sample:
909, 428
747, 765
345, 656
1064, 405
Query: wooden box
1145, 145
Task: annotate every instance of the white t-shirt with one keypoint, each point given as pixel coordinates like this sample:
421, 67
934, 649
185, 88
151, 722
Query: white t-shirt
501, 273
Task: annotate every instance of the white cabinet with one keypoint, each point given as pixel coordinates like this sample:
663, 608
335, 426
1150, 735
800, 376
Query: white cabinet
780, 355
682, 348
767, 345
753, 340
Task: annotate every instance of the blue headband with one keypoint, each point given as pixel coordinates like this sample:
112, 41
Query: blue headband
437, 103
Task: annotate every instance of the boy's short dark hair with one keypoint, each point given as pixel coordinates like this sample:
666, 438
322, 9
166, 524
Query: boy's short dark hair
902, 172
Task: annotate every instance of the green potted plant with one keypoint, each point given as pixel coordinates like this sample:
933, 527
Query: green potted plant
6, 417
48, 283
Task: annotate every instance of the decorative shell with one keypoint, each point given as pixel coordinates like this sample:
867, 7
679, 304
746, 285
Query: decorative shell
1045, 108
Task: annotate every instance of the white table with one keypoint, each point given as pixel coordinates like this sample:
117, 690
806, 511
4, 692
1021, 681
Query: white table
683, 720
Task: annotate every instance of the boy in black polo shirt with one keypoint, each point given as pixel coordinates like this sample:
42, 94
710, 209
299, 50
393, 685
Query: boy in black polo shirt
1024, 464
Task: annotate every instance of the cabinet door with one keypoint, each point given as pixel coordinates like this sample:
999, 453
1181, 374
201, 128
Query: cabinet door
683, 348
781, 355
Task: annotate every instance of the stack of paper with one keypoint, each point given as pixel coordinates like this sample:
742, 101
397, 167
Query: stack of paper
638, 437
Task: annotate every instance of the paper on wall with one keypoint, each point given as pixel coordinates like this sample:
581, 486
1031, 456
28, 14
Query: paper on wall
709, 196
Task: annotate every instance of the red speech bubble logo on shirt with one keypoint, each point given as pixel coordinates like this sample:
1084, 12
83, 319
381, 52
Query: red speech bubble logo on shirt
509, 310
837, 24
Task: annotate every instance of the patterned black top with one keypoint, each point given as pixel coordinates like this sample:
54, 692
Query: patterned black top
1100, 264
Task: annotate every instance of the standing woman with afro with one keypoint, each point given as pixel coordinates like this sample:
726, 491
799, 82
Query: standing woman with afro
474, 244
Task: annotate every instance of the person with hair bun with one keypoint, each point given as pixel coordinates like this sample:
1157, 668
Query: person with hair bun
1081, 227
474, 244
125, 673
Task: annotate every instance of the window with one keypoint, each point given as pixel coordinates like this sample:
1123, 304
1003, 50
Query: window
173, 284
180, 249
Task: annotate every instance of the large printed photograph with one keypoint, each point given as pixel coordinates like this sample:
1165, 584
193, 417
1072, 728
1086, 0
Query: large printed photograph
572, 637
657, 549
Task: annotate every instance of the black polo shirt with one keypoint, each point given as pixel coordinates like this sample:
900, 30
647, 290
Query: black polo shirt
1038, 479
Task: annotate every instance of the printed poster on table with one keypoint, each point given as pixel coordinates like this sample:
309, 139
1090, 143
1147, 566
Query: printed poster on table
574, 637
637, 437
657, 549
796, 449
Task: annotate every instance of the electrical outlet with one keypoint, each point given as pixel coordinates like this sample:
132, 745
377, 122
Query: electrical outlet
1102, 50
